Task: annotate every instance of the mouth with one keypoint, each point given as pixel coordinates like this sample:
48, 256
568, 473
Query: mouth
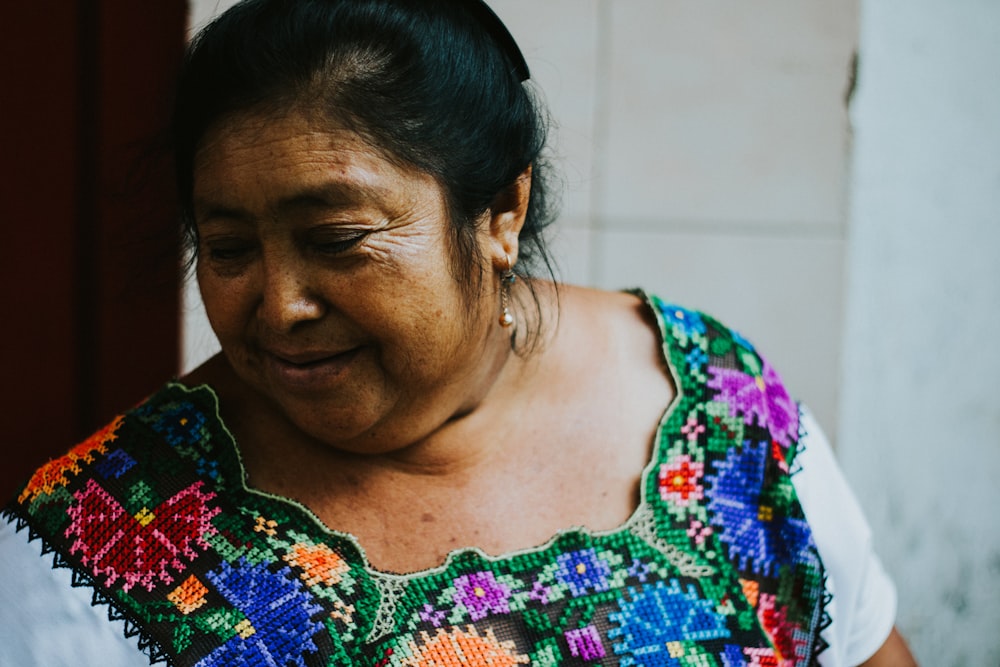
308, 369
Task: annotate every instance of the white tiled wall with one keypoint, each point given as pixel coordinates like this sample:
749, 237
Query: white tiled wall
705, 149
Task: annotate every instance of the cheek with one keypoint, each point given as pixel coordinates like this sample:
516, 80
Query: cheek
224, 305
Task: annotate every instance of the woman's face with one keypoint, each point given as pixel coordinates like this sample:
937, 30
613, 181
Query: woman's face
327, 275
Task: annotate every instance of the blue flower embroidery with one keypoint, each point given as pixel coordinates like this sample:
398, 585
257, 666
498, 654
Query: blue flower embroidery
180, 423
115, 464
279, 626
697, 358
755, 538
651, 618
684, 322
583, 571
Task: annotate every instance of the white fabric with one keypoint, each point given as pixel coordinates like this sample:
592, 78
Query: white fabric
45, 622
863, 609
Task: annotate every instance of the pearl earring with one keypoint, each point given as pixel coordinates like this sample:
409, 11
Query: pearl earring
507, 278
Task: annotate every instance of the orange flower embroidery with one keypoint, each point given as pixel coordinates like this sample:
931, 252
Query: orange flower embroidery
189, 596
319, 563
751, 589
53, 474
463, 647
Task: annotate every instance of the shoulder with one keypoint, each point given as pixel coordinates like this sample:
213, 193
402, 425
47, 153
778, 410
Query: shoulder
174, 416
613, 321
613, 335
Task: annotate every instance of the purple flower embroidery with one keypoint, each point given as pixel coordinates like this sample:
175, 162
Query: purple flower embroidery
429, 615
481, 594
762, 398
540, 592
585, 643
639, 570
583, 571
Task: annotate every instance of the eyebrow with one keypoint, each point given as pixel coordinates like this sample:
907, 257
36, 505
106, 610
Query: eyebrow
334, 194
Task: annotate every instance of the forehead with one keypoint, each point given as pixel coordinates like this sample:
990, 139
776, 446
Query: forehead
287, 153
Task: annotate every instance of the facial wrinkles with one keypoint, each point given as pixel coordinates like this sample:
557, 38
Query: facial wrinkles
393, 295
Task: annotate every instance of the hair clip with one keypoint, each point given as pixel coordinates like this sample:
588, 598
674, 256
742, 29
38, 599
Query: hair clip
495, 27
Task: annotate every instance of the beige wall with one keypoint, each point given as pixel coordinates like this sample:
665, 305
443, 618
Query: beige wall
705, 149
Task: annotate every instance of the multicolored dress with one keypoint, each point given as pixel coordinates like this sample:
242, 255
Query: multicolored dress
717, 565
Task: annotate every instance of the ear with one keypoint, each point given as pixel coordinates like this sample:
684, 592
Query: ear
506, 220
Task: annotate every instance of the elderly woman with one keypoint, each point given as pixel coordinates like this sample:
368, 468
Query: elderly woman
413, 449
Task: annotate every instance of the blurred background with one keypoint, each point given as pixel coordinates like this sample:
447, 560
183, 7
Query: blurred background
824, 177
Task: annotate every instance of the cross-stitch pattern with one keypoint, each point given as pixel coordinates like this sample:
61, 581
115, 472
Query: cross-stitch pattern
717, 567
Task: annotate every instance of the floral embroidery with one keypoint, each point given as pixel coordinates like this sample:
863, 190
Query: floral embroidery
758, 397
140, 549
433, 616
699, 532
583, 571
760, 657
715, 568
189, 596
53, 474
277, 627
685, 323
651, 618
743, 521
463, 647
788, 643
319, 564
692, 429
585, 643
680, 480
481, 594
115, 464
180, 423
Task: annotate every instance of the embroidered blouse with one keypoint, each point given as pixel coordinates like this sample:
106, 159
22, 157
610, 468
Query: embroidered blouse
718, 565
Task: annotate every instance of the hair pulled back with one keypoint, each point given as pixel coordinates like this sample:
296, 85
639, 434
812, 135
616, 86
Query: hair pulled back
429, 82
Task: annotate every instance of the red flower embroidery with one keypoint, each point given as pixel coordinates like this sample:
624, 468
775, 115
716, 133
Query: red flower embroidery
787, 637
680, 480
139, 549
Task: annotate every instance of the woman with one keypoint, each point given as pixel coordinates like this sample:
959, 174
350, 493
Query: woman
412, 449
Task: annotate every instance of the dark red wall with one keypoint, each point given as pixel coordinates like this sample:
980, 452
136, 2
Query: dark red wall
89, 273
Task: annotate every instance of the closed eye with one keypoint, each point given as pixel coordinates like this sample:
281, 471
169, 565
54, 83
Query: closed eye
228, 251
333, 246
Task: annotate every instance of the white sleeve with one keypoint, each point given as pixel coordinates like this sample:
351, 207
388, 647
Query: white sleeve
863, 608
45, 621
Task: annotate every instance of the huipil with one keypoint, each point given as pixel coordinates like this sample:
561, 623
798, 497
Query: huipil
716, 566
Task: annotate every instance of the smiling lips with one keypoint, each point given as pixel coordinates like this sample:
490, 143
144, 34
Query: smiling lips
307, 370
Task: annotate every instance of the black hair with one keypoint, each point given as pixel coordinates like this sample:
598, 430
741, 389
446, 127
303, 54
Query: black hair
437, 84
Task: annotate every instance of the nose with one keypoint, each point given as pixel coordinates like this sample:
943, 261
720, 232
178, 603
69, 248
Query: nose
287, 299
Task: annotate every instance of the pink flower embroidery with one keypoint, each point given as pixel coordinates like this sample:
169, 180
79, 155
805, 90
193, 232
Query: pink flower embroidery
139, 549
692, 429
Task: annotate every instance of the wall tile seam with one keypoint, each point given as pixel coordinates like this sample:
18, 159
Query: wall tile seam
603, 65
798, 231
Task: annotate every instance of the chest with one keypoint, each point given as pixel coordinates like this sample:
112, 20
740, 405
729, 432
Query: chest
549, 469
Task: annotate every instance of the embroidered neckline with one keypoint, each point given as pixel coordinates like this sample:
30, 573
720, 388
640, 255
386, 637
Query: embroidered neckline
155, 513
208, 400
